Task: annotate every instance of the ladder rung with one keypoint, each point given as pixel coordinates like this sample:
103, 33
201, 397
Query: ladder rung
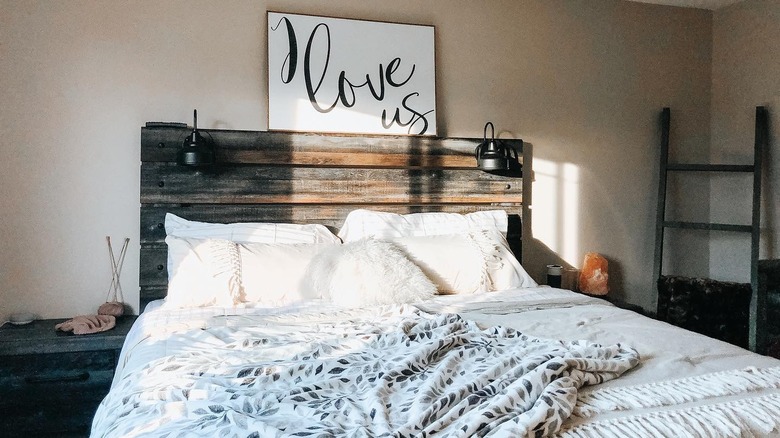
711, 167
708, 226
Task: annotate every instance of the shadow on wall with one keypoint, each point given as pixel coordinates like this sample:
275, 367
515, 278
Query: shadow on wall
551, 212
538, 251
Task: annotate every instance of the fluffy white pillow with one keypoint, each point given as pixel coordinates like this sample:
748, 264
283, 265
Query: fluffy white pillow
367, 272
473, 262
362, 224
247, 232
202, 272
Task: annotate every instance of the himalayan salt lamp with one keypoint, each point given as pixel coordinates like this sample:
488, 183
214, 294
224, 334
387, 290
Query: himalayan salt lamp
594, 275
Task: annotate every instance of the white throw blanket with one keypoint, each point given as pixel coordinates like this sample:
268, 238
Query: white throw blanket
406, 373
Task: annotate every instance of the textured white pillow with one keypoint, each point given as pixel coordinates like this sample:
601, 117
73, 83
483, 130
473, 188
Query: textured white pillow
367, 272
362, 224
247, 232
202, 272
473, 262
218, 272
272, 274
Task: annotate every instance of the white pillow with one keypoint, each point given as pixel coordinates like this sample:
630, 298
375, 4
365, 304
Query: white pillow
367, 272
218, 272
272, 274
477, 261
202, 272
247, 232
362, 224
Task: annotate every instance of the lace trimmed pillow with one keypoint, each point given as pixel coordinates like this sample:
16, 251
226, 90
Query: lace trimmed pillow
473, 262
366, 272
218, 272
245, 233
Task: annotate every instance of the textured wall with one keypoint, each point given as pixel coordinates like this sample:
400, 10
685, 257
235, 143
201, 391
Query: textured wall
745, 74
582, 82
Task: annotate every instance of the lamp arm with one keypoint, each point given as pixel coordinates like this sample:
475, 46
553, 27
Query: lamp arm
492, 132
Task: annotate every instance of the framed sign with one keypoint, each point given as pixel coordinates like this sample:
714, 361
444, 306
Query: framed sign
350, 76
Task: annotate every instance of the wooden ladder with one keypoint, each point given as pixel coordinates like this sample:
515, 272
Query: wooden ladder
757, 332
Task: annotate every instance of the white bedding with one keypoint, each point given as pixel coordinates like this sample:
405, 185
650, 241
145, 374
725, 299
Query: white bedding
685, 385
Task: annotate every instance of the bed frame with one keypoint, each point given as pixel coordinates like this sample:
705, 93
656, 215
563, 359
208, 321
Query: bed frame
310, 178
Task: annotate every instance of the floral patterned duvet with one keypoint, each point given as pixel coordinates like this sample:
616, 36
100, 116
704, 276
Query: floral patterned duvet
394, 371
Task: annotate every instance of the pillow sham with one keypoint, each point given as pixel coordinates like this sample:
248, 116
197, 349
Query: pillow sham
218, 272
202, 272
366, 272
248, 232
474, 262
361, 224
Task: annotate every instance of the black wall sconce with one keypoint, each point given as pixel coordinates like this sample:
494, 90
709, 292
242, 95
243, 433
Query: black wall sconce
197, 151
493, 155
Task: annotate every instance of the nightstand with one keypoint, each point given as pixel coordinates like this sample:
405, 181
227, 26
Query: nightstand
52, 382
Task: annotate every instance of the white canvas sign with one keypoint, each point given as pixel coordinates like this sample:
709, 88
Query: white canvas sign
350, 76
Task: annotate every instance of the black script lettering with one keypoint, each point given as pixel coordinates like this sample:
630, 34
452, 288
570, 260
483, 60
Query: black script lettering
290, 63
416, 116
342, 90
392, 67
312, 91
381, 94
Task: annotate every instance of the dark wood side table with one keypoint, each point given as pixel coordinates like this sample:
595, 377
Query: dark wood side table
718, 309
52, 382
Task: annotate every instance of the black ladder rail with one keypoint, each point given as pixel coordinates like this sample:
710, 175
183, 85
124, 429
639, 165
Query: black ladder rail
661, 208
757, 332
757, 323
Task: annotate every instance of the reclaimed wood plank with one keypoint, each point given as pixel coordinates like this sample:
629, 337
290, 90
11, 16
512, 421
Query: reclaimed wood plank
168, 183
259, 147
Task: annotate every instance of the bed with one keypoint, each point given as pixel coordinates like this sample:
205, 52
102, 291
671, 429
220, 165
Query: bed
441, 334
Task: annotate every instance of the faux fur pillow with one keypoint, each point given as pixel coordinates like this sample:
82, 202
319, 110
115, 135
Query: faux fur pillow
366, 272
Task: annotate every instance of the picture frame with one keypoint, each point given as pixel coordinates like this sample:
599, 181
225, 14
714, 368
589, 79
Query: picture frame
339, 75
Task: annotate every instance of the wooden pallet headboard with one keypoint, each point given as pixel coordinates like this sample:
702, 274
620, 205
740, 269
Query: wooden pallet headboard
310, 178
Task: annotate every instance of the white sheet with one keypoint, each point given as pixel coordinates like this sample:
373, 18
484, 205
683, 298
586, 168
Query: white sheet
667, 352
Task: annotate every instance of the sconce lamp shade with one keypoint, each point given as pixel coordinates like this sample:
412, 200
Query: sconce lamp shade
493, 155
197, 151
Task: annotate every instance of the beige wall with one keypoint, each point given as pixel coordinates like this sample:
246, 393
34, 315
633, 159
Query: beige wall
582, 82
745, 73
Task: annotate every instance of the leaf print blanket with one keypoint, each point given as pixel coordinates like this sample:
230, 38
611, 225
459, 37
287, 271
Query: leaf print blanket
406, 373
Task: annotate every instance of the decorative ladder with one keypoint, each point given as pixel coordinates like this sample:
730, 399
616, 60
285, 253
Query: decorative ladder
757, 331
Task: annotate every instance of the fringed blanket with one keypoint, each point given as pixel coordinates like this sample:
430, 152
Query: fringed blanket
406, 374
724, 404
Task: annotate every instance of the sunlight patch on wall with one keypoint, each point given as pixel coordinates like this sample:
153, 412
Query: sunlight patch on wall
556, 208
